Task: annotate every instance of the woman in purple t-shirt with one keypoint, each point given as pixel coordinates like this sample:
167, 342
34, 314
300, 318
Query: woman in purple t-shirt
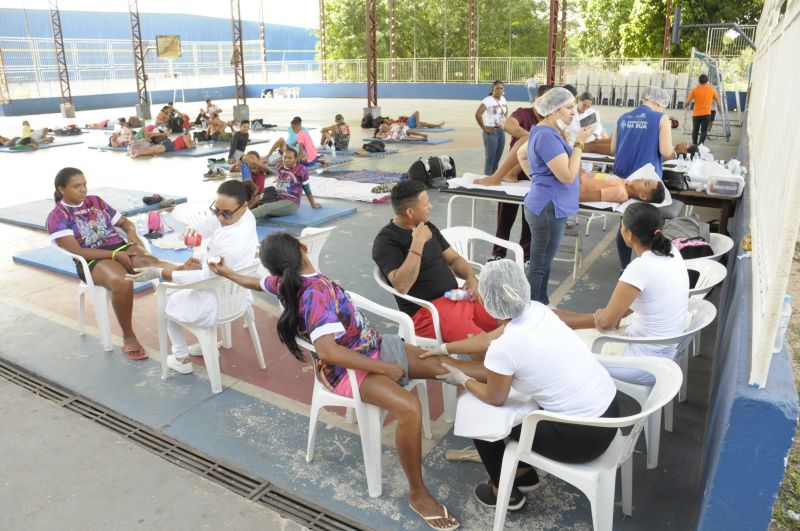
88, 226
320, 311
554, 188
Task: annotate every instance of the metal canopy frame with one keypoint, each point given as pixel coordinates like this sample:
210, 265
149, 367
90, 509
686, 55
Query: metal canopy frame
551, 42
323, 53
563, 53
473, 50
238, 54
61, 56
393, 38
138, 53
372, 54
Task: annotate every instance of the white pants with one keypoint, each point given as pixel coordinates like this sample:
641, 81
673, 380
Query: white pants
197, 307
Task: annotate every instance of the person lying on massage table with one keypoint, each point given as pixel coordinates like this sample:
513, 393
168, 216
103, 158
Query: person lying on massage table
596, 186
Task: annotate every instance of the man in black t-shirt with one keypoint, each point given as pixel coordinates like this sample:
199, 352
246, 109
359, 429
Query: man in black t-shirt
416, 259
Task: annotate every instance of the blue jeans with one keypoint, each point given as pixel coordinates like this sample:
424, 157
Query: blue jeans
531, 94
493, 146
546, 234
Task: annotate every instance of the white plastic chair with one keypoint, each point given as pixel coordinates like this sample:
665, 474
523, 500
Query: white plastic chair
669, 85
606, 96
461, 238
632, 89
681, 89
711, 273
314, 238
232, 302
596, 479
370, 417
99, 296
645, 80
620, 82
701, 313
720, 244
449, 392
593, 84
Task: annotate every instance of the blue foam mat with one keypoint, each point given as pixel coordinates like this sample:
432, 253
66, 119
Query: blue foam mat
53, 260
378, 154
434, 140
311, 217
4, 149
33, 215
336, 161
433, 129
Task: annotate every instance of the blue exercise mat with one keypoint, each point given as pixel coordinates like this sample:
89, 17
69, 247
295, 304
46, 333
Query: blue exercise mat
4, 149
377, 154
33, 215
433, 129
335, 161
431, 141
311, 217
53, 260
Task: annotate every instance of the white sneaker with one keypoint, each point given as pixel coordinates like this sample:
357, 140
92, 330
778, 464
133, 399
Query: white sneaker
183, 366
195, 350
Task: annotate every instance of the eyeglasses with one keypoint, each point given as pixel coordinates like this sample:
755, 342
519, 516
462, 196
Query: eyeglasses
227, 214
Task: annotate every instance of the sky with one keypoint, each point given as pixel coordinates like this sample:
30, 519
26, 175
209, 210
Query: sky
303, 13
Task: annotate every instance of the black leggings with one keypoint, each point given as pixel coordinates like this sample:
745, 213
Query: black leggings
567, 443
700, 124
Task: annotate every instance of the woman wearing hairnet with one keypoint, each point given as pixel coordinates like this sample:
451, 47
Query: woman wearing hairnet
540, 357
642, 136
553, 196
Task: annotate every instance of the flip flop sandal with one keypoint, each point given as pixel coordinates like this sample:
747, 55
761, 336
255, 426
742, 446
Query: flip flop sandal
470, 453
430, 519
134, 353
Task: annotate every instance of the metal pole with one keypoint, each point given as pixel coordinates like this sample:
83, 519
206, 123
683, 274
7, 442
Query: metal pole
551, 42
240, 111
262, 37
563, 39
142, 100
61, 60
5, 94
444, 54
471, 47
372, 54
323, 52
392, 39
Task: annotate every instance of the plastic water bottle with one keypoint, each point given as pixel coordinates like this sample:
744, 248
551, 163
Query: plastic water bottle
457, 295
141, 225
783, 323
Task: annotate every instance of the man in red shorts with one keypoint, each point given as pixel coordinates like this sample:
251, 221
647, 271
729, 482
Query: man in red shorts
416, 259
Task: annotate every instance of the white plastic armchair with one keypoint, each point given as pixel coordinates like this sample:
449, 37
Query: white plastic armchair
460, 239
711, 273
449, 392
232, 302
597, 478
701, 314
720, 244
99, 295
370, 418
314, 238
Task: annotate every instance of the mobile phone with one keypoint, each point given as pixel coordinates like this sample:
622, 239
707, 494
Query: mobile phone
589, 120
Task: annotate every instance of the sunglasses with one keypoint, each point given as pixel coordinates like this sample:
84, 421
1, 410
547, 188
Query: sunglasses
227, 214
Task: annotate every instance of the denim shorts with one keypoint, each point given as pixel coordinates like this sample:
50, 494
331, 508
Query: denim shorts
168, 145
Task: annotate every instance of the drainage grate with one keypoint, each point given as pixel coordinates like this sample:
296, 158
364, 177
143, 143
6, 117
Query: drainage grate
233, 479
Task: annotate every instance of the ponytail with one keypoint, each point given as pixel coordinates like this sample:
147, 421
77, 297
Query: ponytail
62, 179
280, 254
645, 223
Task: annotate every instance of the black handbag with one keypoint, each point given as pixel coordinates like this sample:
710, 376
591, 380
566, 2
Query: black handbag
676, 180
269, 195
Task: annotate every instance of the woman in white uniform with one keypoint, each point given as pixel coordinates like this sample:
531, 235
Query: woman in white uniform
230, 232
540, 357
652, 294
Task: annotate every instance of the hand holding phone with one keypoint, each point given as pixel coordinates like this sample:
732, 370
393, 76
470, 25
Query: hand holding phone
586, 121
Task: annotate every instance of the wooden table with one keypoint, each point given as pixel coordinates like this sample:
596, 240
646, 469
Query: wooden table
726, 205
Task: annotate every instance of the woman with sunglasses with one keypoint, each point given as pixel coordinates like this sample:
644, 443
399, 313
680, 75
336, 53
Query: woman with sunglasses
229, 232
87, 226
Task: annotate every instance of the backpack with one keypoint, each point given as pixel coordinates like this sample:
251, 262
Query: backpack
375, 146
695, 247
175, 124
368, 122
200, 136
434, 171
686, 227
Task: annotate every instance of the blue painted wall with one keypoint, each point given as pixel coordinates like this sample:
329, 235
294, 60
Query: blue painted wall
93, 25
749, 431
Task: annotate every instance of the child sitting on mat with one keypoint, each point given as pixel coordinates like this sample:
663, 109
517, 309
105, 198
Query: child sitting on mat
291, 179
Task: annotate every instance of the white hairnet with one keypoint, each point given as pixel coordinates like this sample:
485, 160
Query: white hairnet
504, 289
552, 100
657, 95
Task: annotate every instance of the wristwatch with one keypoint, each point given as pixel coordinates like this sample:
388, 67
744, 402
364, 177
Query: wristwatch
578, 145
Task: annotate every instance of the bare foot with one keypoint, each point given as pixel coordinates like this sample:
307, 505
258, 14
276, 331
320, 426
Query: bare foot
487, 181
132, 342
426, 506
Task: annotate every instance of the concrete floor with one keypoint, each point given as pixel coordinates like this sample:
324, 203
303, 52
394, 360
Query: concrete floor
259, 422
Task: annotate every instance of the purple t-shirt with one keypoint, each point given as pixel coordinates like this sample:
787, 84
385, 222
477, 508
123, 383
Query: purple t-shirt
545, 144
91, 222
289, 181
325, 308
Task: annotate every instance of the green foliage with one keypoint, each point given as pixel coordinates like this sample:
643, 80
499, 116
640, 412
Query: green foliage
425, 20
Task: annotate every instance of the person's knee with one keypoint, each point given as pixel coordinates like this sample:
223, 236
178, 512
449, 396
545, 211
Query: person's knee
408, 409
121, 286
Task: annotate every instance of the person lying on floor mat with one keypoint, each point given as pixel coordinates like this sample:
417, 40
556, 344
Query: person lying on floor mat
166, 145
320, 311
398, 131
89, 227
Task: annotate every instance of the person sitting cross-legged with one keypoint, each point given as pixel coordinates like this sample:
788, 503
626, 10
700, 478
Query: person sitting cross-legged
320, 311
416, 259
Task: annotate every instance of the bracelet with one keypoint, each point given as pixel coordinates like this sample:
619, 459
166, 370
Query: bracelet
114, 254
443, 349
578, 145
415, 252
